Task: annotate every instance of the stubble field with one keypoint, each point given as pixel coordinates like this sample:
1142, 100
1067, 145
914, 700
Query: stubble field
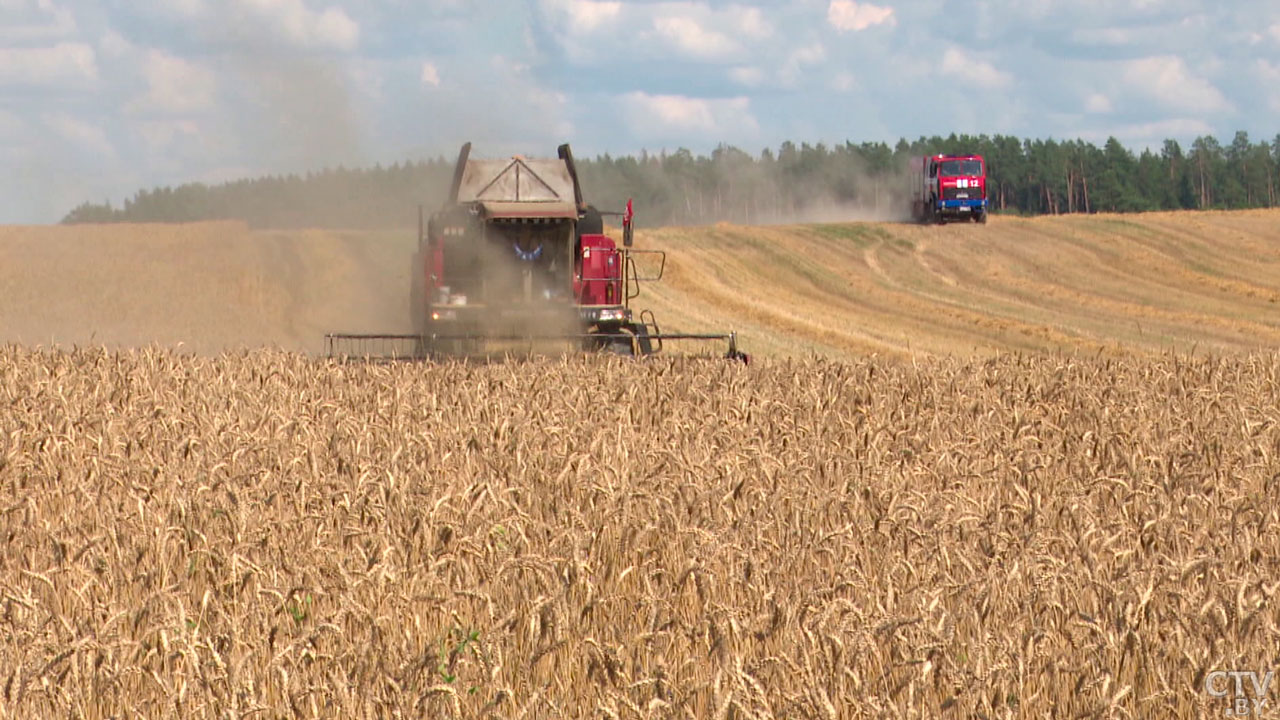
265, 535
1112, 284
1153, 283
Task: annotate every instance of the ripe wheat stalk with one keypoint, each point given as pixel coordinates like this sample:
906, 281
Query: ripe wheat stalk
268, 535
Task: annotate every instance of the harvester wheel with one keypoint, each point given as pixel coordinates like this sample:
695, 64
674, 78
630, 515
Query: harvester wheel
621, 347
619, 341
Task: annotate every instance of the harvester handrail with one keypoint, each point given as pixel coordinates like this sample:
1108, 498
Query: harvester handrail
662, 264
632, 274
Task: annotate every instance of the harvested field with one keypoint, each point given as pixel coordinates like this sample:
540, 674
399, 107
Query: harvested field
1105, 283
269, 536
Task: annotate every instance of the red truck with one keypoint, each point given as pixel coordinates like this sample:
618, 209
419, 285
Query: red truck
947, 187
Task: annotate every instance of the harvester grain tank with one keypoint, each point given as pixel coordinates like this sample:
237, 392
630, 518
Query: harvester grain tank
949, 187
516, 255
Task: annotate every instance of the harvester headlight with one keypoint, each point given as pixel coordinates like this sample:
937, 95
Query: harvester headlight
444, 315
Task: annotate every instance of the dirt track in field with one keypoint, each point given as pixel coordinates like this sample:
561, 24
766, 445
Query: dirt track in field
1209, 281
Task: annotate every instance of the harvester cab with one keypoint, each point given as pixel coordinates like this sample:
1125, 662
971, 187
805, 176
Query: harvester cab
516, 257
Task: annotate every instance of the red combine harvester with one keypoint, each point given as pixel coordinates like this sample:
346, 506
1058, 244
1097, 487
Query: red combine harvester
516, 257
949, 187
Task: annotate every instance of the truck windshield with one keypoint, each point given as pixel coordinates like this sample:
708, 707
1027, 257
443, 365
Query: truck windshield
957, 168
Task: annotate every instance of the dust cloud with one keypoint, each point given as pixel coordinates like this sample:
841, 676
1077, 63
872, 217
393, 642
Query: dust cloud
876, 197
207, 287
296, 109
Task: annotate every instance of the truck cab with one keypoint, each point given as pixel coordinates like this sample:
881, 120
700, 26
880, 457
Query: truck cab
949, 187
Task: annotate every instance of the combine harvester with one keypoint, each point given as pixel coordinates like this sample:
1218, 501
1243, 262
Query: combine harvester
516, 258
949, 187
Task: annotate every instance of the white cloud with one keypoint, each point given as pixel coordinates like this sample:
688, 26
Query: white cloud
1098, 104
844, 82
1107, 36
430, 74
751, 23
809, 55
1274, 31
958, 63
85, 135
1167, 79
163, 136
10, 124
523, 107
718, 116
801, 58
1269, 74
1148, 132
115, 45
48, 65
506, 65
748, 76
35, 20
330, 28
176, 85
596, 32
586, 15
689, 37
847, 15
186, 8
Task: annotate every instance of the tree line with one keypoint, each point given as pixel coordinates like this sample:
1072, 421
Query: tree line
791, 183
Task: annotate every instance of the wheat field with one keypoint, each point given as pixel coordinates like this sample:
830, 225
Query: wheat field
1021, 470
263, 535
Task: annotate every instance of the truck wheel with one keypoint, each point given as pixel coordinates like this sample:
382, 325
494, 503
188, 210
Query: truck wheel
982, 217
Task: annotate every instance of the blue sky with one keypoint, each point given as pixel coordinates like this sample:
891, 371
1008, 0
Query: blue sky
99, 99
